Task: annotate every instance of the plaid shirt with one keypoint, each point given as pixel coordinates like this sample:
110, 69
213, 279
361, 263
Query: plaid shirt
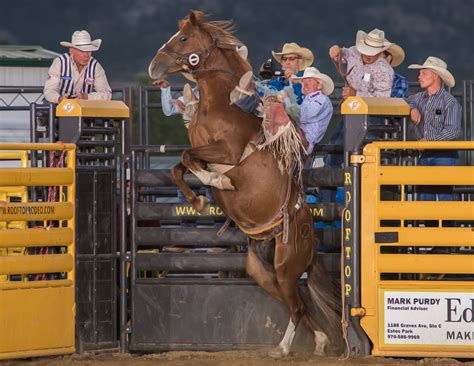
440, 115
399, 86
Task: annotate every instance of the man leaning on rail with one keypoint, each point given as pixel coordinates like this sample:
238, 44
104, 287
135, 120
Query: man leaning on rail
77, 74
436, 115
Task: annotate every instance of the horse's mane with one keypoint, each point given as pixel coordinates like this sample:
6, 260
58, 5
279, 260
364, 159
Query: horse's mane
221, 31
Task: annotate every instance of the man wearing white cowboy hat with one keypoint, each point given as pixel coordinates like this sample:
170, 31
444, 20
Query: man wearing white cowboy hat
77, 74
316, 108
369, 74
293, 58
436, 115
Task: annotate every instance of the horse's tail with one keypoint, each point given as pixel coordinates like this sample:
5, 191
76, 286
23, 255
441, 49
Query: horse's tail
326, 298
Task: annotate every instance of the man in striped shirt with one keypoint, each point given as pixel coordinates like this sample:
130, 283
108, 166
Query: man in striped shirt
436, 115
77, 74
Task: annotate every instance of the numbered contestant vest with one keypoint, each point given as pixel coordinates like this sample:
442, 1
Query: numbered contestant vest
67, 82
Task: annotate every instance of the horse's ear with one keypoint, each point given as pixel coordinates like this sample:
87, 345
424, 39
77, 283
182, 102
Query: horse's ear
195, 17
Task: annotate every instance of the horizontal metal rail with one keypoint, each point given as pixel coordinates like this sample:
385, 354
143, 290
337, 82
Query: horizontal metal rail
423, 175
35, 237
320, 177
96, 143
36, 176
423, 263
170, 211
50, 263
206, 262
425, 210
34, 211
206, 237
161, 149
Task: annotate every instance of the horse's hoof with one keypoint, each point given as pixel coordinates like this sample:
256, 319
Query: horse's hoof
322, 341
200, 203
278, 352
319, 353
224, 183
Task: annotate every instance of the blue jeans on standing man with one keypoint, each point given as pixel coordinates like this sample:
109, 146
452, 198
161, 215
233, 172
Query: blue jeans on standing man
438, 158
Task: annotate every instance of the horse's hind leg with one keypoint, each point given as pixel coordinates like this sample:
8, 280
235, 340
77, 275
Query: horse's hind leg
280, 280
324, 296
262, 271
291, 260
177, 174
321, 340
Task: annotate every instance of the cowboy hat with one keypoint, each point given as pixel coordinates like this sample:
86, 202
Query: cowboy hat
372, 43
242, 50
397, 53
82, 41
305, 54
439, 67
312, 72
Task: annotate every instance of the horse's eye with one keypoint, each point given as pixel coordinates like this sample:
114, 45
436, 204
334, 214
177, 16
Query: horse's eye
183, 39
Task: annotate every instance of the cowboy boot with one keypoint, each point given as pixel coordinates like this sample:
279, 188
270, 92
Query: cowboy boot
244, 89
191, 104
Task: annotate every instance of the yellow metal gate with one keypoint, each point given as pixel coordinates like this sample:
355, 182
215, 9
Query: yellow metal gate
417, 292
37, 308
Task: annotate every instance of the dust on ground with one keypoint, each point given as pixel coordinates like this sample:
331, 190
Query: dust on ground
228, 358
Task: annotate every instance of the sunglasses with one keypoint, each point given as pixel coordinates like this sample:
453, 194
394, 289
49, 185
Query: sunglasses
290, 58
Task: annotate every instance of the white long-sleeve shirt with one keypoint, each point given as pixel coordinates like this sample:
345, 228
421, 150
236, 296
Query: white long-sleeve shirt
101, 86
169, 108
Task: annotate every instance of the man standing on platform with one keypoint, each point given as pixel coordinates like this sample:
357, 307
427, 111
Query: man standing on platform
77, 75
437, 117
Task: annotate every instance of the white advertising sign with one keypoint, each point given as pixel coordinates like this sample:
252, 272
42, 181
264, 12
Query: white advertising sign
429, 318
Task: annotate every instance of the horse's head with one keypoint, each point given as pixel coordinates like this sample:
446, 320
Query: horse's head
188, 49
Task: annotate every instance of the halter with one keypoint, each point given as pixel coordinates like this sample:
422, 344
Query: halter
191, 62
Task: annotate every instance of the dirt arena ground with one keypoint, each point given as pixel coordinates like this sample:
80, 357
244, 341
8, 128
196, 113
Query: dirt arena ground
233, 358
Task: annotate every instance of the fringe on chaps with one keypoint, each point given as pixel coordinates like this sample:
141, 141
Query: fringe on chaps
280, 137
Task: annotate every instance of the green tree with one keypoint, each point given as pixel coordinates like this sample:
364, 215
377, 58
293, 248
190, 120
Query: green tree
162, 130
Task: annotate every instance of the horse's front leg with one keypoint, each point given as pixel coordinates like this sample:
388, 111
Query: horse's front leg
177, 174
219, 152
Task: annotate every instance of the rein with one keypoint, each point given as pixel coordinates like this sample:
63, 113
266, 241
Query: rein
340, 69
343, 73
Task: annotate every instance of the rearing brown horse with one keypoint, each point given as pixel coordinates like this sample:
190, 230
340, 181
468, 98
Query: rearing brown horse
219, 134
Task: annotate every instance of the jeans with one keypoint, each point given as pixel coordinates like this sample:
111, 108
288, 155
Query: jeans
438, 158
249, 104
375, 121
